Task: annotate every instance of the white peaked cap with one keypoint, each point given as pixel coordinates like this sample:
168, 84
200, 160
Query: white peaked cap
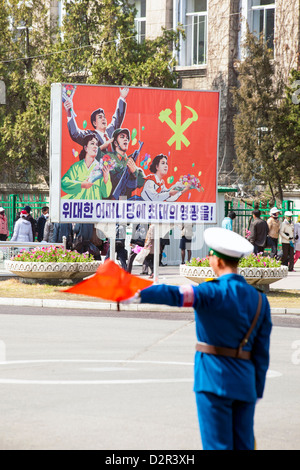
274, 210
227, 244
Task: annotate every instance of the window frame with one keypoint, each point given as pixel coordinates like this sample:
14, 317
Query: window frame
199, 16
186, 53
139, 21
264, 8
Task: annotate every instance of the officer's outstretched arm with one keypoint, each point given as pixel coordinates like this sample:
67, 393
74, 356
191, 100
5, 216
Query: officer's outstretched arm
175, 296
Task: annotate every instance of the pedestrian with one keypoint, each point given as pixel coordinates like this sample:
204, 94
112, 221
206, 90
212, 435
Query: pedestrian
61, 230
83, 232
32, 221
41, 221
3, 225
82, 243
274, 229
227, 221
297, 240
22, 229
100, 239
120, 245
139, 232
233, 327
163, 242
258, 232
48, 231
186, 242
287, 241
149, 245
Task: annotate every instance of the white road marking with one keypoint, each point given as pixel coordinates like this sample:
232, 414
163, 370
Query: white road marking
273, 373
91, 382
270, 374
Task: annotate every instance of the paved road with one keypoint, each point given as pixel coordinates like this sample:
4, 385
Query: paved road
120, 380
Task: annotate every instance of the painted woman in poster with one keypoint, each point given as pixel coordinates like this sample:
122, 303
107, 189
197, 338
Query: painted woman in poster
77, 183
154, 188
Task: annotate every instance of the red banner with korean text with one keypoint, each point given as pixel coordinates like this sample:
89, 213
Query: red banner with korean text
141, 154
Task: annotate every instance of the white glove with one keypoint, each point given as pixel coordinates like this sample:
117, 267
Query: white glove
136, 299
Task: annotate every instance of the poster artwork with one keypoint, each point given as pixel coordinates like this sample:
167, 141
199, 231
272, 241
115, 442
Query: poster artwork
142, 154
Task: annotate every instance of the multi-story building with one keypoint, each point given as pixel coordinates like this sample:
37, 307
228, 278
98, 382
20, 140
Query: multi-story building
214, 31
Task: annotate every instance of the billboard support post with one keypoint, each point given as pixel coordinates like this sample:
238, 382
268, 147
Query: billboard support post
112, 244
156, 253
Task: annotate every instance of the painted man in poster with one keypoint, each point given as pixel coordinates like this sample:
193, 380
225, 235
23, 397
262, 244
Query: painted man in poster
123, 163
102, 130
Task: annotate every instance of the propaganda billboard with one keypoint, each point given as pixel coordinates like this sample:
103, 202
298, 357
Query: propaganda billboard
133, 154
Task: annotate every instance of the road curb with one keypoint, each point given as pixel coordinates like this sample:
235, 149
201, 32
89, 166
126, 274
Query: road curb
86, 305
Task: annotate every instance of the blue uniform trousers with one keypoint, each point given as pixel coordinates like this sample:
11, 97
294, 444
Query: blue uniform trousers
225, 424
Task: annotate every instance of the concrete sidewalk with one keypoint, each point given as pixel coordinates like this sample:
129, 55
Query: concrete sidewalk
167, 275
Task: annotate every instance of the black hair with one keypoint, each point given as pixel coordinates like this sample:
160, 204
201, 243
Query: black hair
156, 161
94, 114
233, 264
86, 140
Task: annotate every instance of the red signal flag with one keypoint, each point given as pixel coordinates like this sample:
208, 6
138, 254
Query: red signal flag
110, 282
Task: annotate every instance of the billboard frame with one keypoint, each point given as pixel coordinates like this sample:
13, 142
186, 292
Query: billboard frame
56, 147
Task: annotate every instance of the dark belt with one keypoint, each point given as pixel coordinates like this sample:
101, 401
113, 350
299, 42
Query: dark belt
220, 351
238, 353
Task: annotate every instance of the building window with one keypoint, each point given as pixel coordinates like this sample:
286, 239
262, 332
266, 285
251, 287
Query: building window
193, 15
263, 20
140, 20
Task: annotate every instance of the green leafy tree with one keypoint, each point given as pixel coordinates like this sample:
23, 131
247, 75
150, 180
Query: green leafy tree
288, 130
110, 53
264, 157
23, 128
96, 44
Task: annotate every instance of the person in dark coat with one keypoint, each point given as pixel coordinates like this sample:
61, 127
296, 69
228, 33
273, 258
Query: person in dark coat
258, 232
83, 230
120, 245
61, 230
41, 223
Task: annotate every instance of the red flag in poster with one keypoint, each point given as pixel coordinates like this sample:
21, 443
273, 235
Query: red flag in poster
138, 154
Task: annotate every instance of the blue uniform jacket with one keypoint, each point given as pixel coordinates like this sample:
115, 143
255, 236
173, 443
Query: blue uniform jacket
224, 310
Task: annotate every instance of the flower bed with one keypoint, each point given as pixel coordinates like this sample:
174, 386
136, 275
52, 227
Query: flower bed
52, 254
257, 270
50, 262
251, 261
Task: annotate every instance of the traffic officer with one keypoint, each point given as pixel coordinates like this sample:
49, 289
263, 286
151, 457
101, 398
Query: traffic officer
233, 326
